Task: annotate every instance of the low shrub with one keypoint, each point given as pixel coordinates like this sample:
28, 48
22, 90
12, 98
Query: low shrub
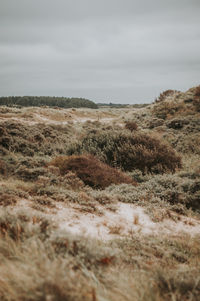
177, 123
155, 122
165, 94
197, 99
7, 199
3, 167
90, 170
29, 140
22, 225
30, 174
177, 191
129, 152
164, 109
131, 126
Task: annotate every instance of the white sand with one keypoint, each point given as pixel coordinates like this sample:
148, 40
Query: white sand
127, 220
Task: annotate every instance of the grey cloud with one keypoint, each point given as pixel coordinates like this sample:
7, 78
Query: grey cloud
123, 51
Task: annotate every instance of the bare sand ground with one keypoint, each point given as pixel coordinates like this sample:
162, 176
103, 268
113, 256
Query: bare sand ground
127, 220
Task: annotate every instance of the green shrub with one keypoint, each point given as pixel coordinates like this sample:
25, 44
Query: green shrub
179, 192
90, 170
130, 151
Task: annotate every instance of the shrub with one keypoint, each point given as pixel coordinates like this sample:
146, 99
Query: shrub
165, 109
30, 174
155, 122
177, 123
197, 98
131, 126
179, 192
90, 170
164, 95
129, 152
22, 225
7, 199
29, 140
3, 167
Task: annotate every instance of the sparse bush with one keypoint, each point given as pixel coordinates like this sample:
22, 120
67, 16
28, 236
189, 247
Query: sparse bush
186, 143
130, 151
44, 201
90, 170
197, 99
22, 225
179, 192
3, 167
177, 123
165, 110
131, 126
30, 140
155, 122
7, 199
165, 94
30, 174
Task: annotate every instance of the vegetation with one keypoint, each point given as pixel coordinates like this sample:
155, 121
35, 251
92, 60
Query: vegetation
165, 94
37, 101
197, 98
130, 151
131, 126
90, 170
75, 226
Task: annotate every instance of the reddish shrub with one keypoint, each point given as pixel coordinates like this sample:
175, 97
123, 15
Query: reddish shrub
131, 126
91, 171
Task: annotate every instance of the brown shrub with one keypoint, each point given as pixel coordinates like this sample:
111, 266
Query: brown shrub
165, 94
3, 167
197, 98
7, 199
29, 174
165, 110
90, 170
131, 126
197, 91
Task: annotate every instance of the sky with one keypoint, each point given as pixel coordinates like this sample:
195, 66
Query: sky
119, 51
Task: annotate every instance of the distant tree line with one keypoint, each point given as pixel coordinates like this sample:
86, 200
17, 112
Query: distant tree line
112, 105
37, 101
120, 105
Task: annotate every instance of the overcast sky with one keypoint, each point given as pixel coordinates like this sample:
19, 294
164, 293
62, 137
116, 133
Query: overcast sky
125, 51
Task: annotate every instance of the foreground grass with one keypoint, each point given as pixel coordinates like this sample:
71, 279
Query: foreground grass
39, 263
